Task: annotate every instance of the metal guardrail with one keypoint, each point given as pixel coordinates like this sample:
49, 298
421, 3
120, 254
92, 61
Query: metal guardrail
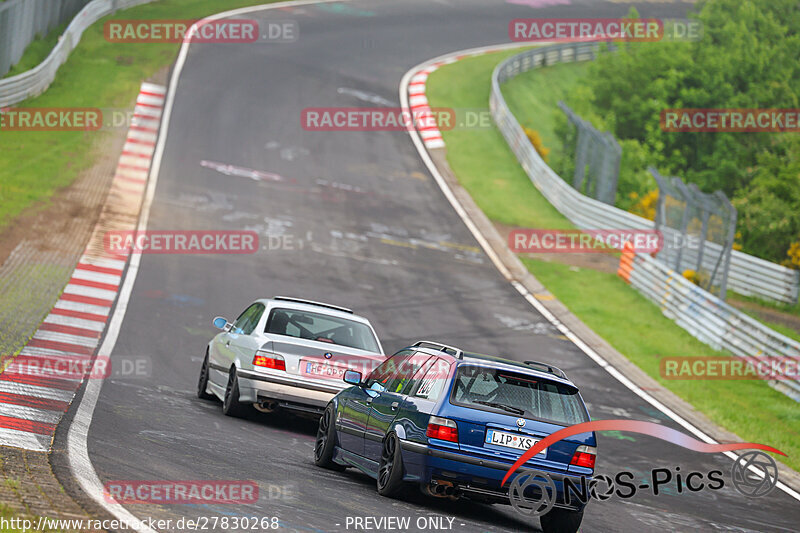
748, 275
22, 20
35, 81
708, 318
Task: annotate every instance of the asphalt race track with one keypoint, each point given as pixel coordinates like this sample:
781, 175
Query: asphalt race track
353, 205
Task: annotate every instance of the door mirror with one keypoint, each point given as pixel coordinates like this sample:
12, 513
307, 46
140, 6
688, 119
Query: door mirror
353, 377
220, 322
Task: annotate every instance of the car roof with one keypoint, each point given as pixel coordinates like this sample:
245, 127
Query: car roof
499, 362
315, 307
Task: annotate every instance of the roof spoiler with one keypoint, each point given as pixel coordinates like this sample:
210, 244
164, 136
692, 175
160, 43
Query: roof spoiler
550, 369
450, 350
312, 302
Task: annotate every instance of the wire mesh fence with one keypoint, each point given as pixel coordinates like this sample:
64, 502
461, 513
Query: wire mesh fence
699, 229
597, 158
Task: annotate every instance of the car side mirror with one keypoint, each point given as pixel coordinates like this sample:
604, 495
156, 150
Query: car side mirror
220, 322
353, 377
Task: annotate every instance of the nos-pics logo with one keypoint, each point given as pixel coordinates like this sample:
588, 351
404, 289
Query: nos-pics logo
754, 473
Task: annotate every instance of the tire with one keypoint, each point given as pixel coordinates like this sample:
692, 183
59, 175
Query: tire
231, 406
202, 382
561, 521
326, 441
390, 468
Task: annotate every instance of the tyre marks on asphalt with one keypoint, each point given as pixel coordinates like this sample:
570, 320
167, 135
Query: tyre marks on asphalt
37, 386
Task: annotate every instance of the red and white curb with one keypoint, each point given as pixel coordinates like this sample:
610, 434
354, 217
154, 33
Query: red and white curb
418, 102
38, 385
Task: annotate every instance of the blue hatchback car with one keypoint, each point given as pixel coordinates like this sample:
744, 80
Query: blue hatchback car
454, 423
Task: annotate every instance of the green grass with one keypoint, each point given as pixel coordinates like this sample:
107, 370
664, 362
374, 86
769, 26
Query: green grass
483, 162
34, 165
8, 514
12, 339
632, 324
791, 309
533, 97
780, 328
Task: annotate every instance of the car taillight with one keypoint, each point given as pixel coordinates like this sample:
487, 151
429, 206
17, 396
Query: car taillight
442, 428
269, 360
584, 456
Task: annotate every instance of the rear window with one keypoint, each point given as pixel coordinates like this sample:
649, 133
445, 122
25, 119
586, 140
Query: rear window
322, 328
493, 389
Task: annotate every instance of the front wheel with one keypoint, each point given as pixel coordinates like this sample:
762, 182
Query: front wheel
390, 468
326, 441
231, 406
561, 521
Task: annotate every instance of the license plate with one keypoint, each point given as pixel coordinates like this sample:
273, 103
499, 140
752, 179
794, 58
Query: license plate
511, 440
325, 371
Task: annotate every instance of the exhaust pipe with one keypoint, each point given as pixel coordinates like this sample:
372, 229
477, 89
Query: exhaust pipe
266, 406
433, 489
441, 489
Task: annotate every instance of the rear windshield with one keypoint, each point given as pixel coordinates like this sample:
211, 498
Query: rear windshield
493, 389
322, 328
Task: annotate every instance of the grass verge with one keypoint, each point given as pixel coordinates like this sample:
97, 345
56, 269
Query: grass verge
35, 164
487, 168
482, 160
533, 97
791, 309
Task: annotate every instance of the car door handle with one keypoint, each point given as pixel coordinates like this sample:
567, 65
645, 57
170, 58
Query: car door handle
395, 405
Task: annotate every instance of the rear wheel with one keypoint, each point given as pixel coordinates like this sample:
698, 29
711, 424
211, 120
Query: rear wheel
326, 440
202, 382
561, 521
231, 406
390, 468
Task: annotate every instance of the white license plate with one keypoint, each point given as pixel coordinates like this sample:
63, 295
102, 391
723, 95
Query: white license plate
511, 440
325, 371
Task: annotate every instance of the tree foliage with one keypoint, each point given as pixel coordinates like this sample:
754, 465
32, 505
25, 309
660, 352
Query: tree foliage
749, 57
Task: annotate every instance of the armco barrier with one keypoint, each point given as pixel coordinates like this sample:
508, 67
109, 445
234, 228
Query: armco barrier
748, 275
706, 317
35, 81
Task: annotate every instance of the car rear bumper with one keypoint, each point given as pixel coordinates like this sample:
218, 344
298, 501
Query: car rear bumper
476, 476
256, 386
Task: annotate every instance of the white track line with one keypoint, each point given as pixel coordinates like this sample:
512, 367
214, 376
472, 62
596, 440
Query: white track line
77, 445
596, 357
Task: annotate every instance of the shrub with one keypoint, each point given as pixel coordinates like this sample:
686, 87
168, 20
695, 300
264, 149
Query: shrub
536, 141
